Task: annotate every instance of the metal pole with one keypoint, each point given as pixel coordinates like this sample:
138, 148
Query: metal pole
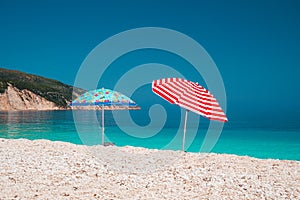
102, 125
184, 129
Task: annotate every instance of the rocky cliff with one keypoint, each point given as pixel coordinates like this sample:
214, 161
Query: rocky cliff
15, 99
21, 91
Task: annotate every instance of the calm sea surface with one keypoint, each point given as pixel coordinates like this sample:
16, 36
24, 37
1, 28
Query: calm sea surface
237, 138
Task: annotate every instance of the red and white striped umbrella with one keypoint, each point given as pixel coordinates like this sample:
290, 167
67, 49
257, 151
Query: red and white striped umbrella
191, 96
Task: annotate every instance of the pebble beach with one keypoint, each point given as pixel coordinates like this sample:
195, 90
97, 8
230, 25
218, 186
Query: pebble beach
42, 169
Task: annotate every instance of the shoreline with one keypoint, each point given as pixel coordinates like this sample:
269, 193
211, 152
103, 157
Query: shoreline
155, 149
38, 169
75, 108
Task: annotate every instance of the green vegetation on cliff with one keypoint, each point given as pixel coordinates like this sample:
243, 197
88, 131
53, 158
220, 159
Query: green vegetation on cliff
50, 89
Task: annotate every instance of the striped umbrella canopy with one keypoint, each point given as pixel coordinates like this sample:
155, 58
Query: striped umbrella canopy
191, 96
106, 99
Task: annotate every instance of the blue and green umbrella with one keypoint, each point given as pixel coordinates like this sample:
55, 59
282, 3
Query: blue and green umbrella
105, 99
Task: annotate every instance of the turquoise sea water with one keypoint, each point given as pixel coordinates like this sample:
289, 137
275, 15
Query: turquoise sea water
237, 138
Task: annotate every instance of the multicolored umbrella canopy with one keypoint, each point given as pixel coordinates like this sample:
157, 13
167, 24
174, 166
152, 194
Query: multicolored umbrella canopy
106, 99
103, 97
191, 96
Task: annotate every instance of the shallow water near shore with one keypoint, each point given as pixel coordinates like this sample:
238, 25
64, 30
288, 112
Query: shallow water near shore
239, 138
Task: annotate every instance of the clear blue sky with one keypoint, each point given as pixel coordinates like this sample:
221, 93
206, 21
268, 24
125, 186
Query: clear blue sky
255, 44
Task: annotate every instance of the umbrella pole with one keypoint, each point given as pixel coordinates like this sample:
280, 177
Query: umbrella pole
102, 125
184, 130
